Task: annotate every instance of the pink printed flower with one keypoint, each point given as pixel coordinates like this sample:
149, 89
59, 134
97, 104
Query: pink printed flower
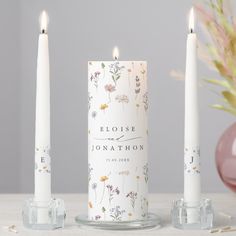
110, 88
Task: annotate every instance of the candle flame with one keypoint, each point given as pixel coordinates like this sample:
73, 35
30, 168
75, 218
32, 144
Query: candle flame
43, 19
115, 53
191, 20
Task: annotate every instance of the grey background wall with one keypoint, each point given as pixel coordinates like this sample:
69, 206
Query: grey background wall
88, 30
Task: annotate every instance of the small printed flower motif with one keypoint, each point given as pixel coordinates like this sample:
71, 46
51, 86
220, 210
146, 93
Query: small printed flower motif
112, 191
97, 217
143, 71
110, 88
94, 114
129, 72
116, 213
89, 101
137, 86
122, 98
104, 213
103, 107
90, 204
145, 172
90, 169
94, 78
144, 206
103, 178
94, 187
133, 196
145, 101
115, 70
97, 73
130, 215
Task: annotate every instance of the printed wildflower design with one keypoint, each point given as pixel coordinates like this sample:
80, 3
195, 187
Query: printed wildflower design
144, 206
94, 187
145, 101
89, 101
133, 196
103, 68
112, 191
145, 172
98, 217
94, 78
104, 213
109, 88
143, 71
103, 107
94, 114
90, 169
137, 107
129, 72
116, 213
90, 204
123, 99
137, 87
137, 178
130, 215
123, 174
115, 70
103, 179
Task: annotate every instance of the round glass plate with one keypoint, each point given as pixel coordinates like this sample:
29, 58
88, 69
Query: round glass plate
152, 221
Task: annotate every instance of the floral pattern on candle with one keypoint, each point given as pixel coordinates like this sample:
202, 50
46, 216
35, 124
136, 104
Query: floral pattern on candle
42, 160
192, 160
118, 169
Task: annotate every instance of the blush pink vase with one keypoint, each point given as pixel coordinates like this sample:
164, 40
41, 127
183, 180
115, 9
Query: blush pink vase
226, 157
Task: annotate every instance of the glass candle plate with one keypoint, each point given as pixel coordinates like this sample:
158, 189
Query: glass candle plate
152, 221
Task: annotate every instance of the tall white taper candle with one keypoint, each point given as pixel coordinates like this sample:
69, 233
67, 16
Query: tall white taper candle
42, 120
192, 186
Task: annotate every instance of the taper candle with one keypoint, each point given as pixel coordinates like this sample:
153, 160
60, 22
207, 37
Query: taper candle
117, 140
192, 185
42, 120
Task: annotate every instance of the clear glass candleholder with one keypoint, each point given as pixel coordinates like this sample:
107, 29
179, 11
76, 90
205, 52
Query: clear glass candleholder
151, 221
44, 215
199, 216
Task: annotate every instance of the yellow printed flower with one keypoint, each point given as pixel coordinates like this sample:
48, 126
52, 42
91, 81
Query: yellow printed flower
103, 106
90, 204
103, 178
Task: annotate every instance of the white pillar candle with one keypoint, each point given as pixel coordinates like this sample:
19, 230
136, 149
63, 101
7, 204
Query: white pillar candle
117, 140
192, 185
42, 119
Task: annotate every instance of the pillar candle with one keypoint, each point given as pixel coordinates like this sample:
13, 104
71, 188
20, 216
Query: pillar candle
117, 140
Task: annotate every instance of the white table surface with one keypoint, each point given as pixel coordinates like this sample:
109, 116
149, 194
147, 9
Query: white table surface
11, 205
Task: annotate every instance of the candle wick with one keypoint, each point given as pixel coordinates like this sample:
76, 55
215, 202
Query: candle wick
43, 31
191, 31
116, 58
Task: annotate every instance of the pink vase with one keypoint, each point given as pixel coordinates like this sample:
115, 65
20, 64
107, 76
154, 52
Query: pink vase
226, 157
